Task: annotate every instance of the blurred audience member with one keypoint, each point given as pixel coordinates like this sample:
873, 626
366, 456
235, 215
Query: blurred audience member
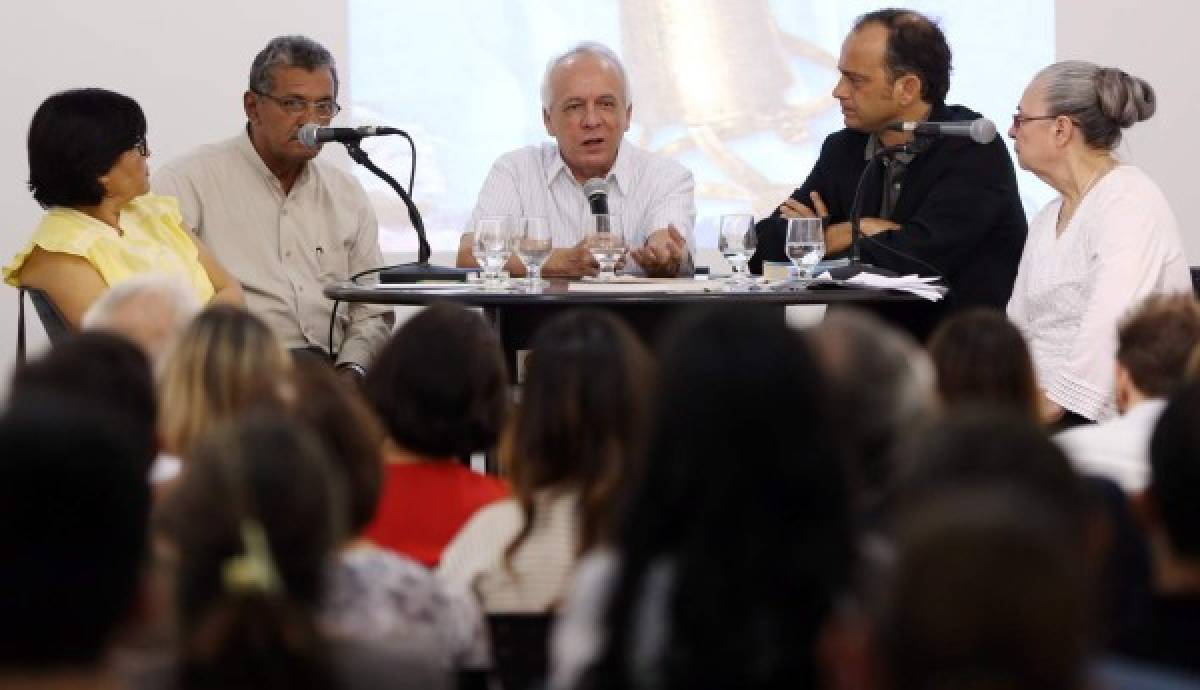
150, 310
737, 541
881, 386
441, 390
73, 509
1192, 372
102, 371
1170, 507
254, 523
980, 357
570, 455
371, 593
992, 448
224, 362
983, 446
986, 594
1153, 345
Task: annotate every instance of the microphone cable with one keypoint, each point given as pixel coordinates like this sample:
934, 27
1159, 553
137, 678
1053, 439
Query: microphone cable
412, 176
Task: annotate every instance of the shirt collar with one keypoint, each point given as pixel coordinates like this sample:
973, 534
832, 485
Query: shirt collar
874, 145
246, 146
620, 174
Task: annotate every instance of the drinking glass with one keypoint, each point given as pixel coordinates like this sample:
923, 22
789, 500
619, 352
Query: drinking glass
805, 244
736, 239
493, 246
533, 247
606, 240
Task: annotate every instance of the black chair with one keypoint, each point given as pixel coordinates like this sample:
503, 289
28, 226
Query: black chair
1196, 280
519, 649
53, 322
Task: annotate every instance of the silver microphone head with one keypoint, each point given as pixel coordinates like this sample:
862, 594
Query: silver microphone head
594, 186
308, 135
983, 131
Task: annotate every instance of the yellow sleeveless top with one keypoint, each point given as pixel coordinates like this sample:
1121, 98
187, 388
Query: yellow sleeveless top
153, 241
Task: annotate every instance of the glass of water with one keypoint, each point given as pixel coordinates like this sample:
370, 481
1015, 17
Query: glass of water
493, 246
737, 239
805, 244
606, 240
533, 247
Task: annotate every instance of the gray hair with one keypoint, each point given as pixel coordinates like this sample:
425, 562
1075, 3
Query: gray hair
150, 310
594, 49
883, 383
289, 51
1102, 100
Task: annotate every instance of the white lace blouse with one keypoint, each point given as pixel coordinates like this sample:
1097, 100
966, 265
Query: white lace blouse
1122, 245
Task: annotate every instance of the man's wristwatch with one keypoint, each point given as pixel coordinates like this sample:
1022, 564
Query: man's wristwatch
359, 370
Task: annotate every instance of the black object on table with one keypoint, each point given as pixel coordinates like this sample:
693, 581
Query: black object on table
517, 315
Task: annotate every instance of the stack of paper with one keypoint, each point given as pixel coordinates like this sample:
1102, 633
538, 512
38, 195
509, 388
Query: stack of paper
922, 287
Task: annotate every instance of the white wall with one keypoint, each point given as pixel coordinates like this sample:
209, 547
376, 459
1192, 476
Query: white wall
187, 63
1151, 39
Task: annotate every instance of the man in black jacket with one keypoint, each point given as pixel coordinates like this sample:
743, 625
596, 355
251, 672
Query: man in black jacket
952, 209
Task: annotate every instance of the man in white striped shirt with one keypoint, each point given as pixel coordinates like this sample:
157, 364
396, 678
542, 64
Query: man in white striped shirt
586, 108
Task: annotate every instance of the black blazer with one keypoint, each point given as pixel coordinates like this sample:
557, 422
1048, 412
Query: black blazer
958, 209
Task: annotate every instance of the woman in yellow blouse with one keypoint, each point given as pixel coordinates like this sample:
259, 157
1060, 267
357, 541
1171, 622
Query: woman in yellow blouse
87, 168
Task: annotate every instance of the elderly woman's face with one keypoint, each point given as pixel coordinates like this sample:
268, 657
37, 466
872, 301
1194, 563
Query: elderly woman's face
129, 177
1033, 130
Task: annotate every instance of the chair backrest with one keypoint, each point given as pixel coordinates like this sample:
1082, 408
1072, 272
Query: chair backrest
519, 648
53, 321
1196, 280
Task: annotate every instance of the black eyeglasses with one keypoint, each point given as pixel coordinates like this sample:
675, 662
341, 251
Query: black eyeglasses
293, 105
142, 146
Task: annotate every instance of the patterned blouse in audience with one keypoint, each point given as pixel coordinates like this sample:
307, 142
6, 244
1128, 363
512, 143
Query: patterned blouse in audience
379, 596
537, 577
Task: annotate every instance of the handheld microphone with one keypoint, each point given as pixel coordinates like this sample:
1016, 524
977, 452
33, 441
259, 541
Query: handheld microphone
596, 191
313, 135
981, 131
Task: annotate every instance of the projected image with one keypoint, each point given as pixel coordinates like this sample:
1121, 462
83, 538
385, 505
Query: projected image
738, 91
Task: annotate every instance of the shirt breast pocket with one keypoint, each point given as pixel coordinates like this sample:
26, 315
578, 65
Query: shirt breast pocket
332, 263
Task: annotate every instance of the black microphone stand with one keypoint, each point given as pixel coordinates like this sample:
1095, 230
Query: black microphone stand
420, 269
856, 265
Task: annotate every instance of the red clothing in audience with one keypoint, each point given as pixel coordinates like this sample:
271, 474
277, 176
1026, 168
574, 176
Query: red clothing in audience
423, 505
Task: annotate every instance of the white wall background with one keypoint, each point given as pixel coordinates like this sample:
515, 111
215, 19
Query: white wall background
187, 63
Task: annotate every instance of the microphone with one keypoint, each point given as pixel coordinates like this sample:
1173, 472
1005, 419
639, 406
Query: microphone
981, 131
313, 135
596, 191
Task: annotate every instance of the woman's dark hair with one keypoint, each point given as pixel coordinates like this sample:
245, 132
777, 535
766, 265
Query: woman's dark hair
254, 521
915, 45
74, 503
440, 386
744, 500
981, 357
333, 408
987, 592
76, 137
1175, 472
982, 445
105, 371
584, 407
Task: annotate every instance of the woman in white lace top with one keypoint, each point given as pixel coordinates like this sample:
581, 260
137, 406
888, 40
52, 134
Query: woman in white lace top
1108, 241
